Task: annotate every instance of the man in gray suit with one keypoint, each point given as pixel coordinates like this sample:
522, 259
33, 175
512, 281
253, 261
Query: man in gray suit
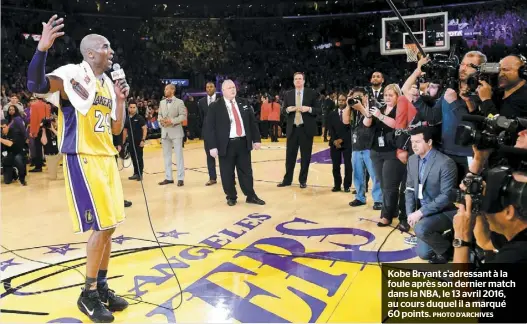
172, 113
431, 177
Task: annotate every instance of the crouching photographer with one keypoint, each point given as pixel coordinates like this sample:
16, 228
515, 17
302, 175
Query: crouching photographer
495, 134
13, 154
500, 202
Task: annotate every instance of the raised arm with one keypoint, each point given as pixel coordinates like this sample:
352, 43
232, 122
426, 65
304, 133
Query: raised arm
37, 81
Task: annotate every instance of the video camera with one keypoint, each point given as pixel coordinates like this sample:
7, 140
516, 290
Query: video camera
500, 189
485, 72
442, 69
490, 132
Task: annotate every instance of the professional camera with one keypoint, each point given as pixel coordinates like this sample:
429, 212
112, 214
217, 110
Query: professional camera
490, 132
355, 100
474, 188
500, 189
487, 72
442, 69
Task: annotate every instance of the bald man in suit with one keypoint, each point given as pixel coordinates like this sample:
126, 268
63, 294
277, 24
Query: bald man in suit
231, 134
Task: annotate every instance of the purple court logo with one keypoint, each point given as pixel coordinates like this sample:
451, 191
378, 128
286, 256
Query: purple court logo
340, 245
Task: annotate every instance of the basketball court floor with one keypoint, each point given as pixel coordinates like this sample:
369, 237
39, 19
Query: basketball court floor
306, 256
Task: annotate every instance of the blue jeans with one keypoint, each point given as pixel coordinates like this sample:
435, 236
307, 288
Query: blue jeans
429, 231
361, 162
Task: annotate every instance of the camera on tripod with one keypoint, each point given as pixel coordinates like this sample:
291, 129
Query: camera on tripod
485, 72
491, 132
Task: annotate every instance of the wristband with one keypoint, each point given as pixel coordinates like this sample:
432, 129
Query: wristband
37, 82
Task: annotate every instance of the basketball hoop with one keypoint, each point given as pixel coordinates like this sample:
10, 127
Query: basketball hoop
412, 52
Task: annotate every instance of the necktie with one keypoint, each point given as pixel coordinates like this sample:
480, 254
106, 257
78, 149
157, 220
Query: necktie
210, 100
298, 116
340, 114
236, 120
422, 171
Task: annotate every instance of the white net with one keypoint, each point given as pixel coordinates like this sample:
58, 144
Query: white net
411, 52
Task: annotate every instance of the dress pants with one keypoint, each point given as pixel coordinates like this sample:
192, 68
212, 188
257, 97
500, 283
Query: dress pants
176, 143
138, 162
211, 165
298, 140
429, 230
273, 130
390, 172
336, 159
239, 157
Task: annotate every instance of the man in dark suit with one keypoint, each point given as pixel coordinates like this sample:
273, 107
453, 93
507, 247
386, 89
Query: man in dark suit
301, 108
231, 134
376, 90
203, 107
340, 145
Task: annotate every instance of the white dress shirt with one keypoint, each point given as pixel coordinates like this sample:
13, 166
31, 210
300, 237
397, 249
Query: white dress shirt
211, 99
231, 117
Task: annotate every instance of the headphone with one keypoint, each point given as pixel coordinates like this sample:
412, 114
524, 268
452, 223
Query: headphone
522, 71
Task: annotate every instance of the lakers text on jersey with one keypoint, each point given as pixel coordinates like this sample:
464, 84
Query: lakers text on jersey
91, 133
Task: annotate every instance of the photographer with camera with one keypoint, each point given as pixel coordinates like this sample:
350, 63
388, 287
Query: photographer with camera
47, 135
506, 214
486, 239
388, 168
452, 106
340, 146
355, 114
512, 81
14, 153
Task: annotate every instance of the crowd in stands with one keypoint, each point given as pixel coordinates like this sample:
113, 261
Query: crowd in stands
260, 54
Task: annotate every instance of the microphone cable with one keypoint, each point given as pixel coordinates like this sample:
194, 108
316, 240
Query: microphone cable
132, 142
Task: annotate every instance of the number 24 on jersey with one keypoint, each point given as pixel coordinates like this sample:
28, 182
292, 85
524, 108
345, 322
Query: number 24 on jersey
103, 122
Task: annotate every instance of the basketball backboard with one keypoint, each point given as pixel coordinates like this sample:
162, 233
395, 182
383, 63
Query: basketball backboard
431, 30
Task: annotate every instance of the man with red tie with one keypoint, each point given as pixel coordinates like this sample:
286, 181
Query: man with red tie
232, 133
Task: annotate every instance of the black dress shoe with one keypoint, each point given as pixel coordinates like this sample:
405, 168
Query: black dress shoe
438, 259
127, 203
255, 200
377, 206
283, 184
403, 226
303, 185
134, 177
335, 189
346, 189
165, 182
357, 203
381, 224
231, 202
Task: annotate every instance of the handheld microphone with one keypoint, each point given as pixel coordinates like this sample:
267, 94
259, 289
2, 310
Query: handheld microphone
117, 73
